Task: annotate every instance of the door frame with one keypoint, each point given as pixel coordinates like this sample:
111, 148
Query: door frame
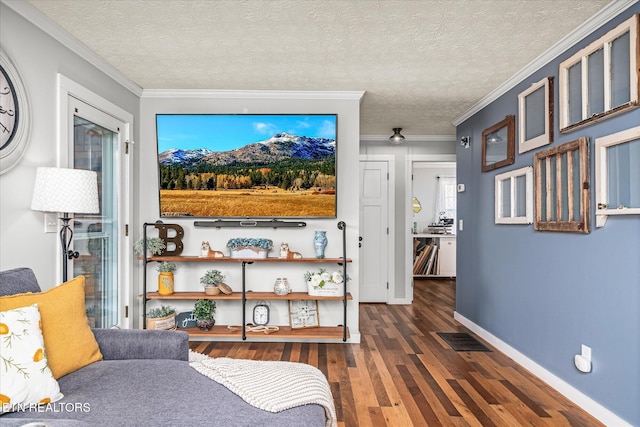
391, 169
408, 183
68, 88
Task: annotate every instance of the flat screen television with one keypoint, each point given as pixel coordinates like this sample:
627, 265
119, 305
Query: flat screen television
247, 165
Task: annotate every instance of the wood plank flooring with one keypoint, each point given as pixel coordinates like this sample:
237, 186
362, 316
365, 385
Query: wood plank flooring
403, 374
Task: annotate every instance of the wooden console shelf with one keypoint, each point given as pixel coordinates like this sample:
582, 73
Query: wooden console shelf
249, 295
247, 260
331, 332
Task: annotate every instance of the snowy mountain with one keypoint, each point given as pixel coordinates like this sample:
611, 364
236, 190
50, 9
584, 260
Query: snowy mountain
176, 155
281, 146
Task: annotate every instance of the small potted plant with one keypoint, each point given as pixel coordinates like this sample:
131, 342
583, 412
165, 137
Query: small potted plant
323, 283
163, 317
155, 246
241, 247
211, 279
165, 278
203, 311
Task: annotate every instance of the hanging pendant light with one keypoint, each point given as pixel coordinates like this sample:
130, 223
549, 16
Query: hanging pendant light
397, 137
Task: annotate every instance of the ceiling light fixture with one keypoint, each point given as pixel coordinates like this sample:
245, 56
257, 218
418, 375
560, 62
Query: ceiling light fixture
397, 137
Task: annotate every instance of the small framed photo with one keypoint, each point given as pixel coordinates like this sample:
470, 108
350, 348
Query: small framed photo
303, 314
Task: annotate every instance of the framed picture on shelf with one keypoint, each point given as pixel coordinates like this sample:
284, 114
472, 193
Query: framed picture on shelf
303, 314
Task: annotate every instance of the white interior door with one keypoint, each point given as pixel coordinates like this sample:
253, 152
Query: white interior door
374, 225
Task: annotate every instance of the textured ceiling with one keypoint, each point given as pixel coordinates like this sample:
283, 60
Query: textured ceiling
422, 63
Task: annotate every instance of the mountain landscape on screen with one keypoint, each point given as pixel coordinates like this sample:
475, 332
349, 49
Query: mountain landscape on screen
281, 146
283, 176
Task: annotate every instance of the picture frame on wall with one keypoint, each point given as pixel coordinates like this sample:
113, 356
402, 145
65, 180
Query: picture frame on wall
498, 144
303, 314
535, 115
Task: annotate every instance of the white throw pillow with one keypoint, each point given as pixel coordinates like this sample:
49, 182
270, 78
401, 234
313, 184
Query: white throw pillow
26, 377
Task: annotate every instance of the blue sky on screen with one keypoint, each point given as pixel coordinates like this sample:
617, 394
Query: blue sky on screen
227, 132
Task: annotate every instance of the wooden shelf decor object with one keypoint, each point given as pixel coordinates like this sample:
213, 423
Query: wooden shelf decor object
331, 332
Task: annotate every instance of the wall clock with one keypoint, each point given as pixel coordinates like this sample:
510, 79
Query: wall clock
14, 115
261, 313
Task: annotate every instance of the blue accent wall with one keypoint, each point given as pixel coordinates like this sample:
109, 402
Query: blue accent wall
546, 293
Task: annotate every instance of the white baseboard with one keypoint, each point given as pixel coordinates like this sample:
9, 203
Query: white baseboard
576, 396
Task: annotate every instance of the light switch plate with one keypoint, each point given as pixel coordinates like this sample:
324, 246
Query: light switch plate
50, 223
460, 188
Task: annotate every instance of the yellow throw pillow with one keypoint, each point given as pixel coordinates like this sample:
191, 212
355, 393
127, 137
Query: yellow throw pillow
68, 338
26, 377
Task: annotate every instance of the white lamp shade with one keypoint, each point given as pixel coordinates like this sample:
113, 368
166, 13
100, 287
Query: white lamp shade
65, 190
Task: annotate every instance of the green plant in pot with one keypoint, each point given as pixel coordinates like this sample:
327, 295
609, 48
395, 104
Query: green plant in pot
203, 311
165, 278
155, 246
163, 317
211, 279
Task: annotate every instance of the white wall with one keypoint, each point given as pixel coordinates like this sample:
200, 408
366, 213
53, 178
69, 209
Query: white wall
260, 277
425, 186
39, 58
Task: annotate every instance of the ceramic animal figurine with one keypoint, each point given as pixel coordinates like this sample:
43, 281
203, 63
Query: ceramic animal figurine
207, 252
285, 253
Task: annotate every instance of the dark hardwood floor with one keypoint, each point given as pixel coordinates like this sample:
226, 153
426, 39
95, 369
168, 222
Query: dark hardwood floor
403, 374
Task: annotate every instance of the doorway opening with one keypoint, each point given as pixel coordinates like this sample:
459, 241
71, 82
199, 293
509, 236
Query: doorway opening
431, 215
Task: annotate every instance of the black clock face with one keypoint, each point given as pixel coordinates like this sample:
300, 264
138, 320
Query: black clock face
9, 110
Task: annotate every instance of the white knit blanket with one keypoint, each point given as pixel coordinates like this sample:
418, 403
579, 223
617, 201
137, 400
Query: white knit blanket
269, 385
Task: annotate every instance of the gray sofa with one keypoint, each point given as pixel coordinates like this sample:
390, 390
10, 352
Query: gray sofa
145, 380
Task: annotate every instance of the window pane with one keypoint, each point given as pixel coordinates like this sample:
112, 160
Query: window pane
553, 190
535, 112
575, 93
623, 179
564, 188
596, 82
620, 75
542, 192
96, 236
506, 198
521, 196
577, 185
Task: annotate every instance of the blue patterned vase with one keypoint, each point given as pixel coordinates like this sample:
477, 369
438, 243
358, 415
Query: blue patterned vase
319, 243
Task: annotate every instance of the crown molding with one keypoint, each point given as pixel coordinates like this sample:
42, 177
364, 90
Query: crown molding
409, 138
607, 13
40, 20
251, 94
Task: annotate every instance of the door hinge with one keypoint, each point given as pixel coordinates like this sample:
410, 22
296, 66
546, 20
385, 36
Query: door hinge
126, 229
387, 176
126, 311
387, 285
387, 230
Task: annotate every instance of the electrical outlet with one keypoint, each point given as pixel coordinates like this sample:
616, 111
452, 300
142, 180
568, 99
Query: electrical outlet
50, 223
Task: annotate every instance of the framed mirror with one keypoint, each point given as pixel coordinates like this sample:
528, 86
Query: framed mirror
498, 144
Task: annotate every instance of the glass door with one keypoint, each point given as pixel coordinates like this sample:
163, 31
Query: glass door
96, 147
